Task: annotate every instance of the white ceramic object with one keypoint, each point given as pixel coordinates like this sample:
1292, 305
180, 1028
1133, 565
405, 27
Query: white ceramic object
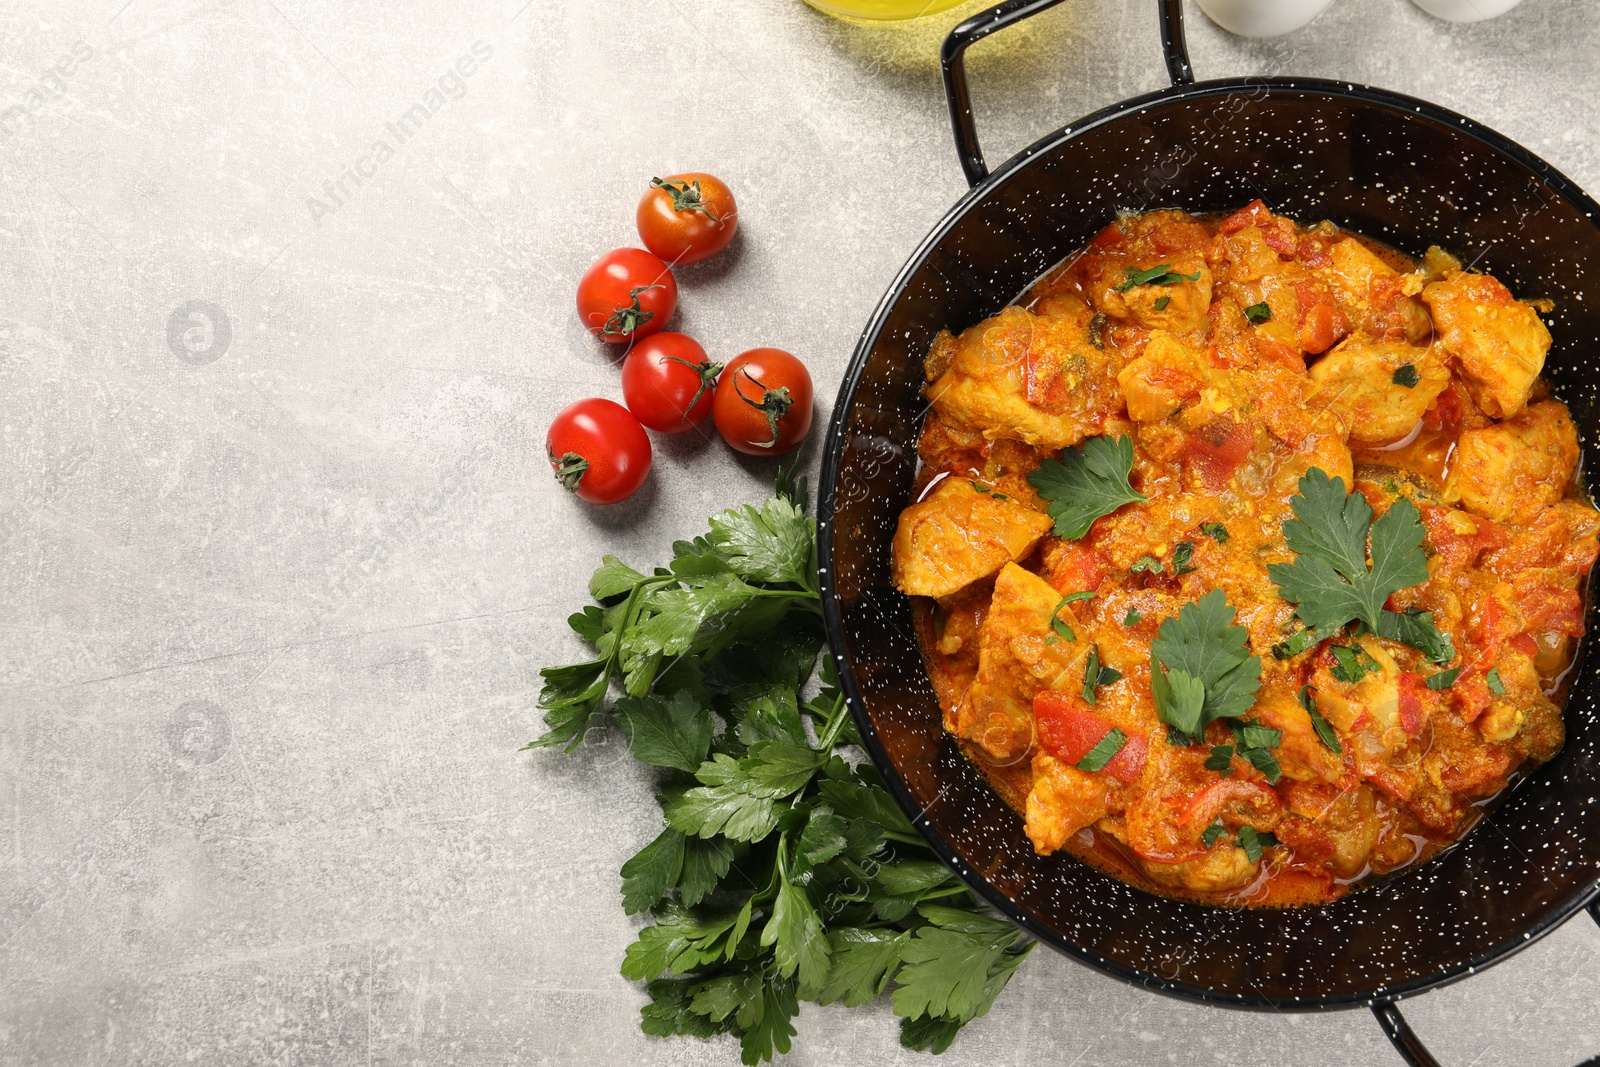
1465, 10
1268, 18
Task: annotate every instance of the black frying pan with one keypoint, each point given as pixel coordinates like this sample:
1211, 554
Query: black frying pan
1385, 165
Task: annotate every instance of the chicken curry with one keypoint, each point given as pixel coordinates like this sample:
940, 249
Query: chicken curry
1248, 559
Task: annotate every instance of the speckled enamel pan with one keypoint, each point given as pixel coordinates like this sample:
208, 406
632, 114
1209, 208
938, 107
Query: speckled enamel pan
1389, 166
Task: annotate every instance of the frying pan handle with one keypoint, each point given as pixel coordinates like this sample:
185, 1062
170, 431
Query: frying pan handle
1008, 13
1404, 1039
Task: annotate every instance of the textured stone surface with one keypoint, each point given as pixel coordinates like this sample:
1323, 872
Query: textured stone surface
274, 608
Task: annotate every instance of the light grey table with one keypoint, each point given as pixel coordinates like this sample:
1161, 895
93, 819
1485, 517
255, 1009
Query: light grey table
281, 559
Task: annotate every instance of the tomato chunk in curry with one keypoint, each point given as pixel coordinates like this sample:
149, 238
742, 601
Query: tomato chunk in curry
1236, 355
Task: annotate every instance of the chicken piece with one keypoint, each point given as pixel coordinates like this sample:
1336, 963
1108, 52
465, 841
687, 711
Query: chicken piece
1167, 376
1018, 655
1512, 470
1063, 801
1249, 256
1178, 303
1223, 867
960, 532
1357, 382
1302, 755
1499, 342
1371, 293
1022, 377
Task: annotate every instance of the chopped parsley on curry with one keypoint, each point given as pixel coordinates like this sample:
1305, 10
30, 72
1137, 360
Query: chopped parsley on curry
1249, 559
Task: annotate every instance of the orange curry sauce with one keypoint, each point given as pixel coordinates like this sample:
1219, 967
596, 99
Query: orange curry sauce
1268, 350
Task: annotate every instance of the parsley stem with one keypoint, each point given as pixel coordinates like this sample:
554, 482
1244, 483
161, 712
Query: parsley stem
836, 720
947, 892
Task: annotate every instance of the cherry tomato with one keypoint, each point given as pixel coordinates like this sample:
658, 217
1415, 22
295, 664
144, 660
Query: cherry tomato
687, 217
763, 402
668, 382
598, 451
626, 295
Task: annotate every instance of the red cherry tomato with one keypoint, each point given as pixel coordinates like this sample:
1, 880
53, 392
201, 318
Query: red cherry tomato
687, 217
626, 295
598, 451
763, 402
668, 382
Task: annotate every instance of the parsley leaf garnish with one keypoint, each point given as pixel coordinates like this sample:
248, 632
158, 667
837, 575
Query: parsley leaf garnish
1324, 729
1181, 554
1132, 617
1255, 741
1209, 672
1059, 625
1443, 679
1208, 837
1103, 751
1258, 313
1086, 483
1162, 275
1216, 531
1220, 760
1351, 664
1294, 645
1416, 628
1406, 375
1146, 564
1095, 675
1253, 841
1161, 303
1496, 686
1330, 582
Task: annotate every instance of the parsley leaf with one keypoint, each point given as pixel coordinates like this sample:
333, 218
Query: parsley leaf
1086, 483
652, 872
770, 545
1145, 564
1104, 751
1095, 675
1220, 759
705, 863
1406, 375
1209, 836
1253, 841
861, 962
1132, 617
1293, 646
1255, 742
952, 965
1202, 646
1180, 701
1330, 583
1416, 628
675, 735
1496, 686
613, 579
1324, 729
1162, 302
1351, 664
1443, 679
1162, 275
1216, 531
1181, 554
670, 1013
1059, 625
795, 933
1258, 313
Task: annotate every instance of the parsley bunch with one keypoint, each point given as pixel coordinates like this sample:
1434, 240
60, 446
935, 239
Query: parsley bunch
784, 871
